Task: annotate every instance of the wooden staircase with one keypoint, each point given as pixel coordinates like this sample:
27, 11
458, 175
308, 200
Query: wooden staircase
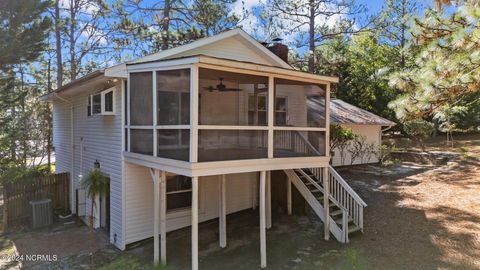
343, 209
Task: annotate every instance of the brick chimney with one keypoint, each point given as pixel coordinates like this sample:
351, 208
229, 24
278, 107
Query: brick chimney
281, 50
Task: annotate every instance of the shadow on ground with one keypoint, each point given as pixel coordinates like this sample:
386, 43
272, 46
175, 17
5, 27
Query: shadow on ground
418, 217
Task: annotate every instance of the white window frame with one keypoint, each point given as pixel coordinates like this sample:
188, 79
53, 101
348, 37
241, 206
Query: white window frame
102, 102
103, 93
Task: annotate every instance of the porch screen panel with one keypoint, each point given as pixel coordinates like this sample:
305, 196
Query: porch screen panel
217, 145
141, 141
293, 143
299, 104
232, 99
173, 143
141, 95
173, 97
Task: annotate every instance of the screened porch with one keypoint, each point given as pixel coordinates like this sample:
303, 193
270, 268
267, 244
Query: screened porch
204, 113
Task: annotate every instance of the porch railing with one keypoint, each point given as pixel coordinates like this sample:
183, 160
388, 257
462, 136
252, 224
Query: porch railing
343, 194
295, 141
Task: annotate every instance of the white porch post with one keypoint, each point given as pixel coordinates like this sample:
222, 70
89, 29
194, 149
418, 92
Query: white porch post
223, 212
195, 223
268, 202
289, 196
326, 202
156, 211
163, 218
263, 236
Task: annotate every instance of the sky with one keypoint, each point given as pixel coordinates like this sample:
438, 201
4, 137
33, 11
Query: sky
253, 24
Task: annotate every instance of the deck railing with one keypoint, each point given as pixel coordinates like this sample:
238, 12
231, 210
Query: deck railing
294, 141
343, 194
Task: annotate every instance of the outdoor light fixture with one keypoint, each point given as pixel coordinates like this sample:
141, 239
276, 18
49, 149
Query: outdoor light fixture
96, 164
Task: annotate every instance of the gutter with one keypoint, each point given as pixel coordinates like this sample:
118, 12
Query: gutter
387, 128
55, 95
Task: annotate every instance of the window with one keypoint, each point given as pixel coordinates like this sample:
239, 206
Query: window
300, 95
107, 102
89, 106
96, 104
259, 117
257, 110
179, 192
281, 111
101, 103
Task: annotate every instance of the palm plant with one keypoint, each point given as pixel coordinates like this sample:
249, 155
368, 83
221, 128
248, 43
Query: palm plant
95, 184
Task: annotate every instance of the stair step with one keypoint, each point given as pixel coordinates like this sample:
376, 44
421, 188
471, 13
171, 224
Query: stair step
308, 183
353, 228
339, 220
336, 212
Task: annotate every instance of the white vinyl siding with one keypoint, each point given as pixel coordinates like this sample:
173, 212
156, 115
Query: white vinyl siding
230, 48
372, 133
96, 137
61, 136
139, 201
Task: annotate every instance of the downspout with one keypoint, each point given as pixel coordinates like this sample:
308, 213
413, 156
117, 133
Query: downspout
72, 148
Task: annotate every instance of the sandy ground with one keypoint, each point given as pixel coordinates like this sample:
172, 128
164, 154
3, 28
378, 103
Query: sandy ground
418, 217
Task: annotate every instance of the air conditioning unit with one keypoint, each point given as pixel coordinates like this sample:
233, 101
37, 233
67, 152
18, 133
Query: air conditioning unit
41, 213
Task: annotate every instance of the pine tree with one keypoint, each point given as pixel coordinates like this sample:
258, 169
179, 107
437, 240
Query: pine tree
23, 36
446, 70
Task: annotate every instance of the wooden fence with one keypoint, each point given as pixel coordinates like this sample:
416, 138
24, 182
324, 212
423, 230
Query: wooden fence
17, 197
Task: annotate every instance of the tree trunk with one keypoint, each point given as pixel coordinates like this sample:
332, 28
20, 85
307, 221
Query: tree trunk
311, 38
166, 25
49, 118
402, 35
73, 65
58, 45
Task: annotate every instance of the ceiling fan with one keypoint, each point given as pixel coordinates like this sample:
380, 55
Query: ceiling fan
221, 87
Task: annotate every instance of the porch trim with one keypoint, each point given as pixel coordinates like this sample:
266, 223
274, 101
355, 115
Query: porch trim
225, 167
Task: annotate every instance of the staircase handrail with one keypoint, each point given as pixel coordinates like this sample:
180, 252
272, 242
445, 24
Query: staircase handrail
316, 185
346, 186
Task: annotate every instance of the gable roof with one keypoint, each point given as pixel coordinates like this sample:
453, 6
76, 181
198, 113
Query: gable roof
203, 45
342, 112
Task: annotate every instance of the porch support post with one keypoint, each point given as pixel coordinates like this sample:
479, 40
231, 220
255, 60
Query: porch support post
195, 223
326, 201
156, 211
163, 218
263, 236
269, 200
223, 213
289, 196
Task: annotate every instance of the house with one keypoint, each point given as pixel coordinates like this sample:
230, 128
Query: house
192, 134
366, 125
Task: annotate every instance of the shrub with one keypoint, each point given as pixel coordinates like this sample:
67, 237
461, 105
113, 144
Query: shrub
418, 130
340, 139
22, 173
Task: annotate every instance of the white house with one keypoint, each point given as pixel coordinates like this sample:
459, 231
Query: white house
192, 133
368, 126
